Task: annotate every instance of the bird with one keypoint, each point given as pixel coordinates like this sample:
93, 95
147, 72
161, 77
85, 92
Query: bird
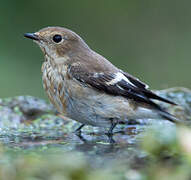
86, 87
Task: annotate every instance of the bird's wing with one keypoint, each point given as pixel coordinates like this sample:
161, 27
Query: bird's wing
144, 88
116, 83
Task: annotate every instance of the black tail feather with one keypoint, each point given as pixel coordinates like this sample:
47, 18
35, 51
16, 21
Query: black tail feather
169, 116
164, 114
152, 95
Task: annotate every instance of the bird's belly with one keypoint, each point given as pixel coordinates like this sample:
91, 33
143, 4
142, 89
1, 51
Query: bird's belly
89, 106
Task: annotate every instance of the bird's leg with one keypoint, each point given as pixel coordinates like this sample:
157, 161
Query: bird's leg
110, 132
78, 130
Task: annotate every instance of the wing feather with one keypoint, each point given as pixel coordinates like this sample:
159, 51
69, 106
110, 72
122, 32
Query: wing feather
118, 84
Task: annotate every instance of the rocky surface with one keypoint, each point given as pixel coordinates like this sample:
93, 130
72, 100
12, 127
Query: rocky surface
31, 125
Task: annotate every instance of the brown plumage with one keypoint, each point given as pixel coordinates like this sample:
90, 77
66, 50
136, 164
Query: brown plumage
86, 87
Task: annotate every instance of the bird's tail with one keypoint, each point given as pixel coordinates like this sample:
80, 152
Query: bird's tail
168, 116
164, 114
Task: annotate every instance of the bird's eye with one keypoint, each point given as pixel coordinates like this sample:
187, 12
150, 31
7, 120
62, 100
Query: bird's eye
57, 38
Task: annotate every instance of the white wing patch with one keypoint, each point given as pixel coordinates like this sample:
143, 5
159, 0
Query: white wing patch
146, 86
119, 77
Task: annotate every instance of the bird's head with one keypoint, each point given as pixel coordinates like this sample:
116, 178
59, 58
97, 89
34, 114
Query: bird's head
58, 42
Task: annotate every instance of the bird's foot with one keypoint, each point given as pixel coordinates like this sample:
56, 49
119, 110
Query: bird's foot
111, 140
110, 133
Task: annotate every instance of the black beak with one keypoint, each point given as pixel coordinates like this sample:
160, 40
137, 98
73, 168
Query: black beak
32, 36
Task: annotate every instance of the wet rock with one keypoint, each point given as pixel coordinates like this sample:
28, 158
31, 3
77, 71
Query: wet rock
30, 108
29, 125
27, 107
26, 113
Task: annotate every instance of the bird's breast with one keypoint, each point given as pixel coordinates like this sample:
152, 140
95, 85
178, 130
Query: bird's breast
54, 85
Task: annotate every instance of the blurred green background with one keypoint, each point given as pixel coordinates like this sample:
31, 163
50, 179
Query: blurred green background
150, 39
